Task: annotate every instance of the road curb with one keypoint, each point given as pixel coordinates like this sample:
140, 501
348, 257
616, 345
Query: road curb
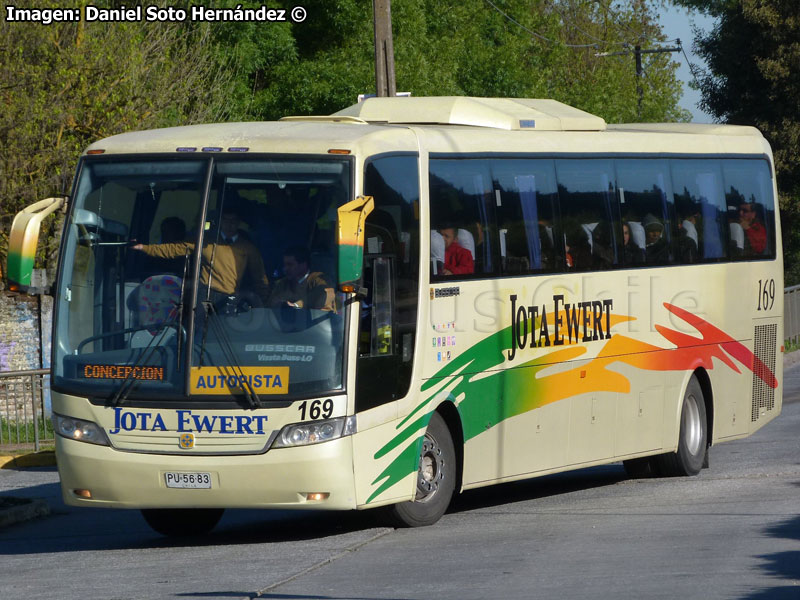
22, 461
22, 509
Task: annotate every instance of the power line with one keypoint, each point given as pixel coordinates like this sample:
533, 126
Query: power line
692, 68
533, 33
637, 52
574, 26
570, 23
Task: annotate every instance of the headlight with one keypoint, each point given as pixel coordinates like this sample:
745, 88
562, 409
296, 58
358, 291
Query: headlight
314, 432
80, 430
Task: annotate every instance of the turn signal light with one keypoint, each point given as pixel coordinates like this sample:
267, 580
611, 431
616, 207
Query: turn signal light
85, 494
316, 496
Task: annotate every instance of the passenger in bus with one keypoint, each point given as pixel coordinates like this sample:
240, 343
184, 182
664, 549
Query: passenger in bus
232, 266
631, 253
457, 260
656, 248
687, 236
578, 250
755, 234
602, 246
300, 287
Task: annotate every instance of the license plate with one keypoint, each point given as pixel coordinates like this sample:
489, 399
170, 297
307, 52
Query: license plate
188, 480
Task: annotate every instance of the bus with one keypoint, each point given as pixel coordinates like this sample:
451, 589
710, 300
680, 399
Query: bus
421, 296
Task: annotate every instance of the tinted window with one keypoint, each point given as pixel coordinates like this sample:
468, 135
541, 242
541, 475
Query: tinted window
526, 198
393, 229
461, 195
388, 316
525, 216
646, 228
699, 201
750, 208
586, 193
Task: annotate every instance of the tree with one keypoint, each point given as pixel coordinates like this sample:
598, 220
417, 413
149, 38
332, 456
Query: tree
753, 79
511, 48
65, 85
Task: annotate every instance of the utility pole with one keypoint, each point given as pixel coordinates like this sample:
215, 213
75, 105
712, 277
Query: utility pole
384, 49
637, 52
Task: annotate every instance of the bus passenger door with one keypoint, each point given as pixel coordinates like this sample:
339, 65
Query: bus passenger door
387, 329
378, 363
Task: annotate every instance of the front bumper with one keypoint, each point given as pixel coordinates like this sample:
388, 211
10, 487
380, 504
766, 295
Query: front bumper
280, 478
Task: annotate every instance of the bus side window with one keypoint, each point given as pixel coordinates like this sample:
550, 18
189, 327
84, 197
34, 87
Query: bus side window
461, 198
645, 202
750, 207
388, 319
701, 206
526, 197
586, 191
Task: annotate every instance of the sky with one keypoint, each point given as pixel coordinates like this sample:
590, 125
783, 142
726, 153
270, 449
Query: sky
677, 23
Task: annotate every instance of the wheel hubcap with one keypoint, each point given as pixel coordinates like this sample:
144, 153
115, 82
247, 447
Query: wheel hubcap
431, 470
691, 425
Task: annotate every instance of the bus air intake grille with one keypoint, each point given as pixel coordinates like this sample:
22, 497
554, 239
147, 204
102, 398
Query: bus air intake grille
764, 340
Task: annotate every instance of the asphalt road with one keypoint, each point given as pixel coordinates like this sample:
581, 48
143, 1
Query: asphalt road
732, 532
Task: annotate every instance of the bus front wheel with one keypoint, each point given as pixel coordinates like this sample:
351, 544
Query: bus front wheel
436, 479
693, 437
182, 522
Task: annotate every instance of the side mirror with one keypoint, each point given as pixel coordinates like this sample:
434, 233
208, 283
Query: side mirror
351, 241
23, 239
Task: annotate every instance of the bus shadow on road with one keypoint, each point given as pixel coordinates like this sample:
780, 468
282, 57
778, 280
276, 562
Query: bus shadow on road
539, 487
66, 529
70, 529
77, 529
274, 526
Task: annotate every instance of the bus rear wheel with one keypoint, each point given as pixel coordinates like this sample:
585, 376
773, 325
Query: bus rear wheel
182, 522
693, 437
436, 479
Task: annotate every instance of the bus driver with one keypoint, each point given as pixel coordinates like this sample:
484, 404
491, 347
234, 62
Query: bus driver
235, 260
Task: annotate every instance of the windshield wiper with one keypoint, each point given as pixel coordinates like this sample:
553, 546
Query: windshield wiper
211, 316
180, 300
227, 348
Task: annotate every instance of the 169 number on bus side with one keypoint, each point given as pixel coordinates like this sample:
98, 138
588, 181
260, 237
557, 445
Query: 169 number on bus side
766, 294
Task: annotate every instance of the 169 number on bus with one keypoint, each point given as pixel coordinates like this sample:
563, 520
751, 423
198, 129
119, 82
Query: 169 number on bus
317, 409
766, 294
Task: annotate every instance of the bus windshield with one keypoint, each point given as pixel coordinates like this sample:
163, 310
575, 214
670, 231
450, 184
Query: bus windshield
203, 279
